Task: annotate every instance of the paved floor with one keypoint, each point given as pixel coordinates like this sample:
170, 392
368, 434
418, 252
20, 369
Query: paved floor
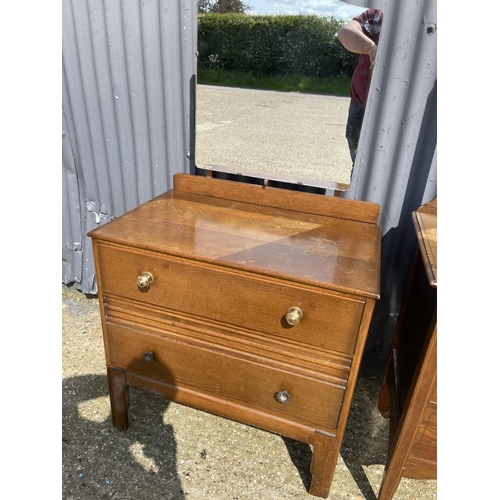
285, 133
175, 452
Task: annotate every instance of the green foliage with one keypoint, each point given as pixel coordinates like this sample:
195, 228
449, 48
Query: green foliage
332, 85
273, 45
223, 6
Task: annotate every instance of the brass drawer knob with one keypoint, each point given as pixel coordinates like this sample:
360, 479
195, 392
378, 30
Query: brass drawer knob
282, 397
145, 280
293, 316
148, 357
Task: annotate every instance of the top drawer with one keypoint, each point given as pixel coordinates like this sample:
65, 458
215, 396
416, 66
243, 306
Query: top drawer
328, 321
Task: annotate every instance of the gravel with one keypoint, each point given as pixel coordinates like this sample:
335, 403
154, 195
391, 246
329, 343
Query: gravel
173, 452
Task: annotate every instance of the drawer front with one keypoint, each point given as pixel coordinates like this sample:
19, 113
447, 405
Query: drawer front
217, 374
328, 321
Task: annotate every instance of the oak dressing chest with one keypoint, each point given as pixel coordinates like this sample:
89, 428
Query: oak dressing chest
249, 302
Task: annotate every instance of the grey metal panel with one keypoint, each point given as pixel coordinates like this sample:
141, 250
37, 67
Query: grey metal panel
71, 251
128, 68
396, 166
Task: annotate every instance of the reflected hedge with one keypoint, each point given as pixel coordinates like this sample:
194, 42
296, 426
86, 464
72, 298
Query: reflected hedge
306, 45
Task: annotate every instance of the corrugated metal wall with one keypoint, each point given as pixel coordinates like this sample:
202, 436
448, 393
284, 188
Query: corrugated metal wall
128, 71
128, 124
397, 164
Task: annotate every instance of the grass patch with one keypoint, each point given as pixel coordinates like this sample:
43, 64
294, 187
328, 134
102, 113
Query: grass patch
334, 85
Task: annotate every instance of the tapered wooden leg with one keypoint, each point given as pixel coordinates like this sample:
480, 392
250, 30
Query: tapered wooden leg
324, 461
119, 395
390, 483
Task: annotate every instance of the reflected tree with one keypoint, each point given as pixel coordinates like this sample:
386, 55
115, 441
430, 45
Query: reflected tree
223, 7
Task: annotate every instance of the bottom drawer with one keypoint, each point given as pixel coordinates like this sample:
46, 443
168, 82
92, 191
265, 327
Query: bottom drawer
255, 384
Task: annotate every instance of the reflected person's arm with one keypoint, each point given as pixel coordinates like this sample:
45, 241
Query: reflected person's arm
351, 36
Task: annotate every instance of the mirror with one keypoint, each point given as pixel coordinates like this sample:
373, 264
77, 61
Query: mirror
287, 136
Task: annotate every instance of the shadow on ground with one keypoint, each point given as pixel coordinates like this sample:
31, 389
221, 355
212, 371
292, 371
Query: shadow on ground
100, 461
364, 443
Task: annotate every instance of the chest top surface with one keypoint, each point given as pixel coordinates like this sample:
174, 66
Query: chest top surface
322, 250
425, 222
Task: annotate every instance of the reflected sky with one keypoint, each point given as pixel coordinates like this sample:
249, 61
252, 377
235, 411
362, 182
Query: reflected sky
337, 9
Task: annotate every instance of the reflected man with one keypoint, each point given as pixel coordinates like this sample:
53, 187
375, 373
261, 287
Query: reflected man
361, 37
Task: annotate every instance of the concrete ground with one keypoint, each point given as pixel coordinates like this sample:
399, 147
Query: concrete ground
286, 133
175, 452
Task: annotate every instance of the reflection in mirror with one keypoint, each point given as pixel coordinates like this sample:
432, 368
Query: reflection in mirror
290, 136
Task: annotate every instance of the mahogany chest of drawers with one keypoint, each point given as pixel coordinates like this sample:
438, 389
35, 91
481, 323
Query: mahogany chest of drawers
249, 302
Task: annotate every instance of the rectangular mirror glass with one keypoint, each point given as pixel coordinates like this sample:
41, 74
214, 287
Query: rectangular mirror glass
288, 136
